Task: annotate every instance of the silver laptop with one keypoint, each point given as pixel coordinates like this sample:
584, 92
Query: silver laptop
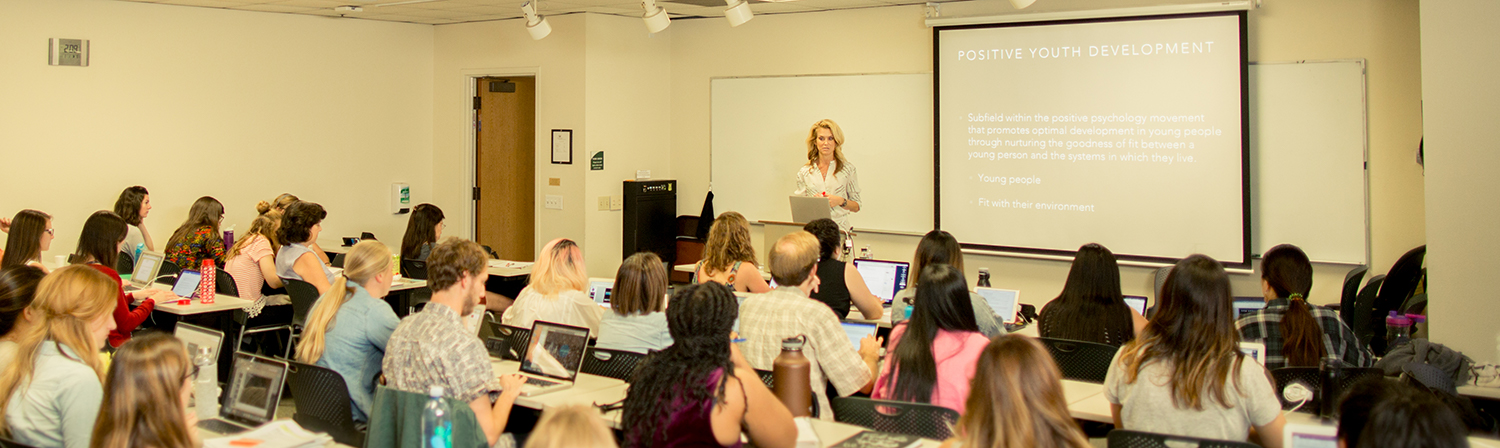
195, 337
806, 209
254, 393
600, 289
145, 271
553, 358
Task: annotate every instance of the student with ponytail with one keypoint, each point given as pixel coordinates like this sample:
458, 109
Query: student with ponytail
348, 328
252, 260
1297, 333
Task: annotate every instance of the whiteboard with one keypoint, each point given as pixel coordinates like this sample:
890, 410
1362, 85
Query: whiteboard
759, 141
1307, 159
1307, 150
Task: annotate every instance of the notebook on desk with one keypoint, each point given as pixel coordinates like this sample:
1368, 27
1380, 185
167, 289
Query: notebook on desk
145, 271
254, 393
554, 357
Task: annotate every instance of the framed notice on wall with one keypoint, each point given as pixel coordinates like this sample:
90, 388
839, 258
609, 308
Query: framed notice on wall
562, 146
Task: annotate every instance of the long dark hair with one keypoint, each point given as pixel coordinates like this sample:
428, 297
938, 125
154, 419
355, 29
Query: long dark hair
1090, 307
828, 235
937, 246
206, 212
942, 304
24, 244
17, 288
100, 240
1193, 332
128, 206
421, 229
1290, 274
700, 319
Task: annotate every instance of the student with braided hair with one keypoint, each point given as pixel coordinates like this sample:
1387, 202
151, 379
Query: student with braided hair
1298, 333
701, 391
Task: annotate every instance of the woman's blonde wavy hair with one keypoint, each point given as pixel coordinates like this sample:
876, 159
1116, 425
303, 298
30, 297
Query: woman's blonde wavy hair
142, 396
838, 143
66, 301
728, 242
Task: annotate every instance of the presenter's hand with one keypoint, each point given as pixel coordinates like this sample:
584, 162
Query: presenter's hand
835, 201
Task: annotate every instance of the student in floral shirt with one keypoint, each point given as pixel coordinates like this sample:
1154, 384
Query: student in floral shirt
198, 238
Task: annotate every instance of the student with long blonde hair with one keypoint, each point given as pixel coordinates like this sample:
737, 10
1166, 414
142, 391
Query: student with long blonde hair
252, 260
147, 374
728, 256
572, 426
1016, 400
50, 393
349, 326
556, 293
1185, 375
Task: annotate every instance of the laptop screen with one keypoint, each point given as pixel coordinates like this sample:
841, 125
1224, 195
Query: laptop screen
600, 290
187, 283
194, 336
255, 390
1137, 303
1255, 350
1247, 305
1310, 436
857, 331
556, 350
145, 268
1003, 301
885, 278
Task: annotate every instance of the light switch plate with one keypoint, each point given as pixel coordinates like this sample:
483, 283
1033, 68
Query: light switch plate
617, 202
603, 203
554, 202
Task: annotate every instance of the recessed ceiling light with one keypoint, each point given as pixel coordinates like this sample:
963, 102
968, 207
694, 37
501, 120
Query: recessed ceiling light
348, 8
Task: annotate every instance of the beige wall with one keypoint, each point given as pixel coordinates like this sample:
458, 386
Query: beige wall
237, 105
1459, 60
895, 40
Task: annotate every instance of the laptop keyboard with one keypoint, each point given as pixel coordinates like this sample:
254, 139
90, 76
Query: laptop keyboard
540, 382
220, 426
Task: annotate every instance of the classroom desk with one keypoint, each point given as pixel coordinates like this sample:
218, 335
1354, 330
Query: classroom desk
222, 302
583, 385
1491, 393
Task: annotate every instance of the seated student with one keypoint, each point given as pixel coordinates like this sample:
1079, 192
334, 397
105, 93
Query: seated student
97, 246
133, 206
296, 260
252, 260
1185, 375
279, 205
840, 283
1380, 412
1016, 400
728, 257
1090, 307
198, 238
17, 289
571, 426
637, 320
931, 356
348, 328
556, 292
50, 393
145, 375
939, 246
787, 312
432, 348
423, 230
1298, 333
30, 234
701, 391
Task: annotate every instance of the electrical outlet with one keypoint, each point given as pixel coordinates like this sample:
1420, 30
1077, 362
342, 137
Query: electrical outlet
603, 203
554, 202
617, 202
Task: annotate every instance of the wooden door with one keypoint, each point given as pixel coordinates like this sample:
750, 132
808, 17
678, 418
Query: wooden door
505, 194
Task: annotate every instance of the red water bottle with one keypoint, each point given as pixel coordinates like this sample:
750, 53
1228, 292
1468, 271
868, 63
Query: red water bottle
206, 286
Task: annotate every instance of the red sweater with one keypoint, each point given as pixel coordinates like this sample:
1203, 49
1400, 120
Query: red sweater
125, 319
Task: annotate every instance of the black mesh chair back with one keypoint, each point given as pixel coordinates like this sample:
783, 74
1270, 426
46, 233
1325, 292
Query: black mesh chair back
1159, 279
167, 274
921, 420
224, 283
1351, 291
8, 443
1362, 321
272, 318
1398, 286
414, 269
517, 340
1122, 438
1312, 379
767, 377
304, 295
1080, 360
617, 364
323, 403
125, 264
497, 346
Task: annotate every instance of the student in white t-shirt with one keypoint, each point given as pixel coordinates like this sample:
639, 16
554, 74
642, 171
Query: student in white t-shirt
133, 206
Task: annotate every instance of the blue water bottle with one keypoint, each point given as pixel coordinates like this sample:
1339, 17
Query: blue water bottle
437, 421
139, 247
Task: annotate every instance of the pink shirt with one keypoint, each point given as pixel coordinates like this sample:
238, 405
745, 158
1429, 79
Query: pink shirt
956, 353
245, 267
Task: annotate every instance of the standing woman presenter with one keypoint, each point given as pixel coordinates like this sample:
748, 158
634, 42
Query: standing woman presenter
828, 173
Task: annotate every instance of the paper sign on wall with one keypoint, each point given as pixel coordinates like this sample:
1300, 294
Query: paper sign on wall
596, 163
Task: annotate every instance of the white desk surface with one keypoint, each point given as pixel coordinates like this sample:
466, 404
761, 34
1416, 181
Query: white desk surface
583, 385
508, 268
222, 302
1492, 393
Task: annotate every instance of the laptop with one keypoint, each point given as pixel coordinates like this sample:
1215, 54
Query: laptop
195, 337
857, 331
1005, 302
1255, 350
885, 278
1247, 305
145, 271
254, 393
187, 284
806, 209
600, 290
554, 357
1137, 303
1297, 435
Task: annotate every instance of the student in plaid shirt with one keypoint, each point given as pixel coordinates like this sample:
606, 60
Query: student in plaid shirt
1297, 333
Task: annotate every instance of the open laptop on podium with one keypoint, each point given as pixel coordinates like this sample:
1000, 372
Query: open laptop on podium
806, 209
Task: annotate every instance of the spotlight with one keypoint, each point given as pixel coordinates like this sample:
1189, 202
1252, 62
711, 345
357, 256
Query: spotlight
738, 12
655, 17
535, 24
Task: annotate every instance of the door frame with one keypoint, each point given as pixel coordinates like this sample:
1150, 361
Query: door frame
471, 82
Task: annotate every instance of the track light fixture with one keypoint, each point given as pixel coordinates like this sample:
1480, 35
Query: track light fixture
535, 24
738, 12
1021, 4
655, 17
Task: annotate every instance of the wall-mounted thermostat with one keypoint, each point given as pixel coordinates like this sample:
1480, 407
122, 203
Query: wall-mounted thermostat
71, 52
400, 198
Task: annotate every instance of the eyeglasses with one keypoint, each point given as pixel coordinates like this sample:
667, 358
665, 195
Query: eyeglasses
49, 232
192, 374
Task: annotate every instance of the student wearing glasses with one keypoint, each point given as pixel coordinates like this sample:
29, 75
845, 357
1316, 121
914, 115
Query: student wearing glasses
146, 396
30, 234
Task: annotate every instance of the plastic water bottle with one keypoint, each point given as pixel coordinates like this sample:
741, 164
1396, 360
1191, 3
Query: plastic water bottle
139, 247
206, 384
1397, 330
984, 277
437, 421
